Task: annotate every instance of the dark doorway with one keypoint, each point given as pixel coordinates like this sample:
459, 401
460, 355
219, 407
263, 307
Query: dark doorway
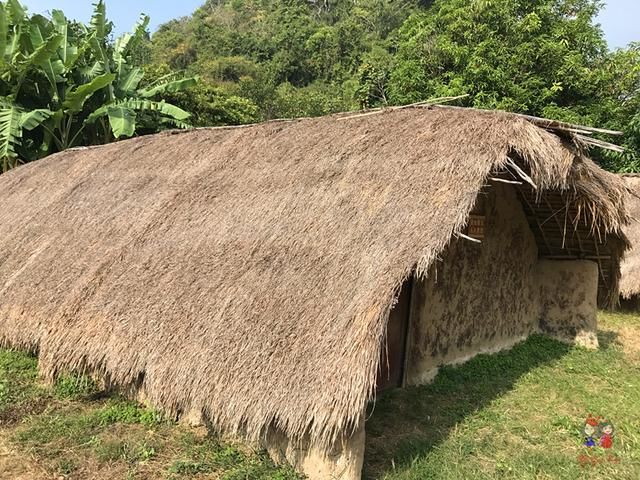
391, 370
630, 304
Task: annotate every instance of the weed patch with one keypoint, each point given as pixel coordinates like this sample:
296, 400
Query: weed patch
20, 393
74, 387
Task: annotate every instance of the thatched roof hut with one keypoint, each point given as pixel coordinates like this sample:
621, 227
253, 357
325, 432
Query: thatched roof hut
630, 268
249, 273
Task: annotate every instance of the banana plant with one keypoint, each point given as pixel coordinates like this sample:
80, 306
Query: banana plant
13, 122
126, 100
25, 47
62, 85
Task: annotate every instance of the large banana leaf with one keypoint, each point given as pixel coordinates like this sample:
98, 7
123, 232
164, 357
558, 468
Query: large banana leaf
160, 107
16, 11
121, 117
47, 58
75, 98
43, 52
128, 80
72, 48
62, 27
13, 120
10, 131
97, 38
142, 106
126, 42
102, 59
46, 27
122, 121
96, 69
34, 118
98, 21
168, 87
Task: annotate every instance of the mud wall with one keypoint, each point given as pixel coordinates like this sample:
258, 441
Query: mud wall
569, 300
480, 297
343, 462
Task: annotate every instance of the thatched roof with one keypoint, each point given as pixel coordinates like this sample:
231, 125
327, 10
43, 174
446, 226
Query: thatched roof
249, 271
630, 268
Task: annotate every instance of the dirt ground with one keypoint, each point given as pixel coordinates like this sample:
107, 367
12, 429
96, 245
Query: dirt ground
16, 466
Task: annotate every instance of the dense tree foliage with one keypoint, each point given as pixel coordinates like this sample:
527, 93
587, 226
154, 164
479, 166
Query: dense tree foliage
64, 84
262, 59
287, 57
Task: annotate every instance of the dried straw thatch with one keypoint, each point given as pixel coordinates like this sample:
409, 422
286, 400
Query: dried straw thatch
630, 268
248, 272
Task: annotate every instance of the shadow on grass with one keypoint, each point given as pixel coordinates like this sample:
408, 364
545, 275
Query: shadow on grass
409, 423
607, 339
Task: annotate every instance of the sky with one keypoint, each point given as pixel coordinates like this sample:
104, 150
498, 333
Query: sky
620, 19
123, 13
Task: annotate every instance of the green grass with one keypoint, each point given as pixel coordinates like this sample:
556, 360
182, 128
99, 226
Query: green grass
77, 432
514, 415
117, 432
19, 391
75, 387
209, 455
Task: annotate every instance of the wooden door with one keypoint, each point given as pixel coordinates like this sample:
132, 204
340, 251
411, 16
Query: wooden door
392, 358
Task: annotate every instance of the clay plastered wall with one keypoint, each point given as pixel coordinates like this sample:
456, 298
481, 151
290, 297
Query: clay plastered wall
480, 297
343, 462
568, 300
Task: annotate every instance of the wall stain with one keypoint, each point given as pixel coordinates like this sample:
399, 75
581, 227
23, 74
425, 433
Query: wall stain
489, 296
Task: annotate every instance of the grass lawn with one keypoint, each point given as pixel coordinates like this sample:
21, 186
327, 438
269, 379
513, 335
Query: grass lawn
514, 415
73, 431
517, 414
